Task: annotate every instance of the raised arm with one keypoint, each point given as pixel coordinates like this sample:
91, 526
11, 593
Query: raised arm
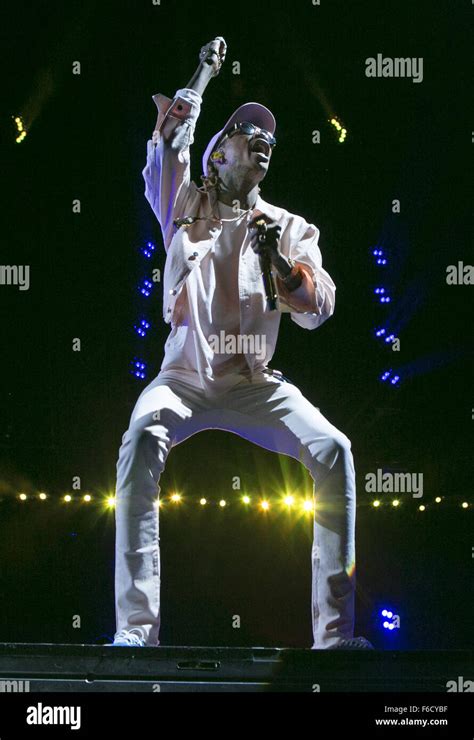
211, 59
167, 171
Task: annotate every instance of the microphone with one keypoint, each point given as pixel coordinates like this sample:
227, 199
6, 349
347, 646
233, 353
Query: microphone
208, 56
266, 268
264, 259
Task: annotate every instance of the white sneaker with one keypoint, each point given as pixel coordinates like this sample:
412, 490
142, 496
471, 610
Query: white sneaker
128, 638
353, 643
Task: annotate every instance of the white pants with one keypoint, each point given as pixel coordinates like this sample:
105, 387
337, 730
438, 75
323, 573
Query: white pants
272, 413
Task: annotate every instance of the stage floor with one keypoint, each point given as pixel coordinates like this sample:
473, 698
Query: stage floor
98, 668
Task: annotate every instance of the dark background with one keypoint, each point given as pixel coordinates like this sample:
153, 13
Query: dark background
63, 412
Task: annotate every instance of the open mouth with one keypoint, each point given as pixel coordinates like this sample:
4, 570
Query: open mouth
262, 147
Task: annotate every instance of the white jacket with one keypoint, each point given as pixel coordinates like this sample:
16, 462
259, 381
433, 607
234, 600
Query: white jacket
172, 194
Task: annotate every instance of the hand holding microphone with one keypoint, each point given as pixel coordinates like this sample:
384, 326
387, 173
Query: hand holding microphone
266, 238
213, 54
265, 243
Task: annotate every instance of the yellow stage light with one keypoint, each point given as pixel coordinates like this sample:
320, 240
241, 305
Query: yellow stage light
67, 498
246, 499
376, 503
222, 503
264, 505
21, 130
308, 505
203, 501
87, 497
438, 499
465, 505
22, 496
289, 500
395, 502
422, 507
176, 498
110, 501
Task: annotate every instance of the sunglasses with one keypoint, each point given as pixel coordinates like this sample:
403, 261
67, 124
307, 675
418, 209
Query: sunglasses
249, 129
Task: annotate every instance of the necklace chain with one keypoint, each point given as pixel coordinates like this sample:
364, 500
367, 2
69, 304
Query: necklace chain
237, 217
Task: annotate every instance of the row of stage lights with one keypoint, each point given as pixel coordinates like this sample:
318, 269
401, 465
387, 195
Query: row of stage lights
20, 128
382, 333
289, 502
395, 503
177, 498
342, 132
138, 367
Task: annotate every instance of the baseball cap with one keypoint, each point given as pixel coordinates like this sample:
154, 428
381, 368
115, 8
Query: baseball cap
254, 113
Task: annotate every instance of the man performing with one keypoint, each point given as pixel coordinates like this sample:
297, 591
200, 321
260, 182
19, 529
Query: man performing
215, 373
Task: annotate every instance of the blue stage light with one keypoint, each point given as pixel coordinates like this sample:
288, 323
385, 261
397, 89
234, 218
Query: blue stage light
145, 287
386, 375
380, 257
142, 327
382, 293
390, 338
380, 332
148, 250
391, 621
138, 368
